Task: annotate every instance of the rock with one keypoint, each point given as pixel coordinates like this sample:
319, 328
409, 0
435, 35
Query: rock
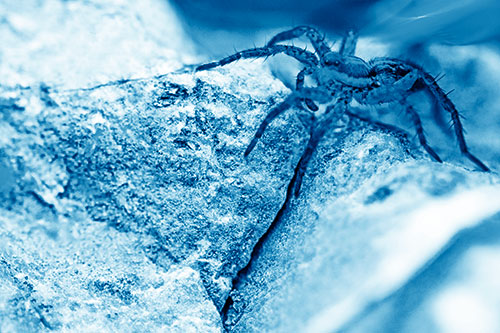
132, 202
69, 273
369, 218
453, 292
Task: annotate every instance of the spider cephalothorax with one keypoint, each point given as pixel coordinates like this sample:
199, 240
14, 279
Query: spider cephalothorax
342, 77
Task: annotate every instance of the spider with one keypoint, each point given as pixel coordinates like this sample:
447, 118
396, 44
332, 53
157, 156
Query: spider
341, 77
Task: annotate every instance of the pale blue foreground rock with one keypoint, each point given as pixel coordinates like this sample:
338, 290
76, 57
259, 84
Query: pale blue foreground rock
155, 169
126, 203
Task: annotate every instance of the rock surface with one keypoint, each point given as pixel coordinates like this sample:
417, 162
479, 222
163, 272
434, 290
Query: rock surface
338, 251
155, 168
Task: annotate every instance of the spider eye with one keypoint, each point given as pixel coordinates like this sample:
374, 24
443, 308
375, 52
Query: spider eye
332, 62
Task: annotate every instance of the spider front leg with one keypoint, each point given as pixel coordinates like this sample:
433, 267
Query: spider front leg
416, 122
420, 133
448, 105
316, 39
305, 57
415, 80
319, 94
459, 132
300, 85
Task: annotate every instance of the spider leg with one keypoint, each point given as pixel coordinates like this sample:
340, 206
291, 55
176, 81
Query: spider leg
311, 93
459, 132
300, 85
305, 57
314, 36
376, 122
448, 105
417, 122
425, 80
317, 132
399, 91
420, 133
276, 111
436, 110
348, 46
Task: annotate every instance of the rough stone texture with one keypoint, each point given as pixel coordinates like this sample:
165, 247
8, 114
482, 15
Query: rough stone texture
68, 273
359, 244
137, 196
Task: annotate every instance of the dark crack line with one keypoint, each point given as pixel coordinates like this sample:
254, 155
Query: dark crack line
256, 252
258, 247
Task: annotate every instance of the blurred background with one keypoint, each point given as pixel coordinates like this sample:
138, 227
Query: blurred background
402, 22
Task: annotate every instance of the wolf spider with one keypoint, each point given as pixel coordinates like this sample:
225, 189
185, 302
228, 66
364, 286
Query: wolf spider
341, 77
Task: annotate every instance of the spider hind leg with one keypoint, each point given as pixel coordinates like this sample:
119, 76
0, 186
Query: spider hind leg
459, 132
300, 85
448, 105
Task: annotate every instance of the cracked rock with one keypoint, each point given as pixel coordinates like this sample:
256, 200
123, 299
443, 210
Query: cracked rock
133, 200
